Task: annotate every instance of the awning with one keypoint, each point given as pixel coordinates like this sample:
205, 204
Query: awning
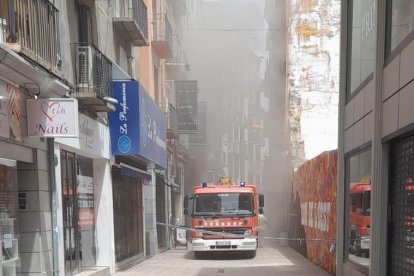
130, 171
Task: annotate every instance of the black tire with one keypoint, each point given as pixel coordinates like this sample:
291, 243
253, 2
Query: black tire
250, 254
358, 250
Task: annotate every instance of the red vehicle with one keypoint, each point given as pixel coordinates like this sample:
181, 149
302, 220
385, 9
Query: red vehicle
360, 199
229, 210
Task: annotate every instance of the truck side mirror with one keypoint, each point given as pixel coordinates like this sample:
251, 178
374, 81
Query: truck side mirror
261, 203
186, 205
261, 200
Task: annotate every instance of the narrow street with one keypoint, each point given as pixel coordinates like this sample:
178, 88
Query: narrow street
270, 260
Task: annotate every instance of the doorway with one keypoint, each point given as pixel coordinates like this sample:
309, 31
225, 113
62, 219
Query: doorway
78, 212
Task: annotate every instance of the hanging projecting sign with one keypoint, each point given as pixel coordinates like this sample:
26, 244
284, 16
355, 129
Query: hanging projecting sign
200, 138
138, 126
52, 117
186, 98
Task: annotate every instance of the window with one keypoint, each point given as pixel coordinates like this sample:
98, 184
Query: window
225, 204
10, 201
400, 22
361, 43
358, 200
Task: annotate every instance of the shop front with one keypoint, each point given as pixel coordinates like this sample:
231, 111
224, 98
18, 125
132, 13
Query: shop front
25, 208
138, 137
128, 182
85, 196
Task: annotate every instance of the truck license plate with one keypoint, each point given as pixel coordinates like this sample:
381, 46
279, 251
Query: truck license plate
222, 243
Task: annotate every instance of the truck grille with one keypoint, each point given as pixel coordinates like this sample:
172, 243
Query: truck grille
234, 231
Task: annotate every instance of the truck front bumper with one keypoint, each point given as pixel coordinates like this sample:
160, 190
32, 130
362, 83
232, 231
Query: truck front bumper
365, 243
246, 244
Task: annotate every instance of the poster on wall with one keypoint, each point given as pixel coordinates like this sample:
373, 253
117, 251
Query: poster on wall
200, 138
186, 98
86, 203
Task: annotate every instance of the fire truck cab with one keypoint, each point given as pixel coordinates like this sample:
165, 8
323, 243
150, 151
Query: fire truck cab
360, 201
227, 216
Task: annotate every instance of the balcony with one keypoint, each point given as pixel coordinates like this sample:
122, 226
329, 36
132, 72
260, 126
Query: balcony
92, 77
131, 20
162, 40
31, 29
177, 65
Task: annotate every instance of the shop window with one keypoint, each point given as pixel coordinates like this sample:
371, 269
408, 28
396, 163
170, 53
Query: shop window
400, 22
361, 43
358, 206
9, 253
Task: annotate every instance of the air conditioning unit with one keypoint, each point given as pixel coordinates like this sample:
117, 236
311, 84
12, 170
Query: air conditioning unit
84, 66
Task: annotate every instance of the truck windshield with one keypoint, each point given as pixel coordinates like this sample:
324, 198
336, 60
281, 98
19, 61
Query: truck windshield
224, 204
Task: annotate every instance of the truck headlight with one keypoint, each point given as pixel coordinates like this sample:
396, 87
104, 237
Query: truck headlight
247, 232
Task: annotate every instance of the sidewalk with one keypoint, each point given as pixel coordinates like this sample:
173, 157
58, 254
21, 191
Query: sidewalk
270, 260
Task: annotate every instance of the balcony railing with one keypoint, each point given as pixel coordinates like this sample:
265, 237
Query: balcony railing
92, 77
31, 28
162, 40
131, 19
178, 64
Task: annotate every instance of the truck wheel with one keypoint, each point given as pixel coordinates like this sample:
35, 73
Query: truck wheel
358, 250
250, 254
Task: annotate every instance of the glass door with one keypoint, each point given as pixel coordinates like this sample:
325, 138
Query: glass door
78, 212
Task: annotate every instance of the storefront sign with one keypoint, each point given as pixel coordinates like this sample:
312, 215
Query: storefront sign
186, 96
52, 117
14, 113
4, 111
200, 138
93, 138
137, 127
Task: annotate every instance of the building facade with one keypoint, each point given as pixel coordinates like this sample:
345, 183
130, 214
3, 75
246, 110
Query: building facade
375, 139
276, 123
72, 203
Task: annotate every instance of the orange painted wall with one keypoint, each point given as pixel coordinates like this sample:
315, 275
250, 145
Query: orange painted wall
144, 63
314, 185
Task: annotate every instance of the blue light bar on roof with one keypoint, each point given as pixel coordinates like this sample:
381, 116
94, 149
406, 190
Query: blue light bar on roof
242, 184
204, 184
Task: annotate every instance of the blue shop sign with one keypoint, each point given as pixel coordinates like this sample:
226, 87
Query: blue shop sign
137, 127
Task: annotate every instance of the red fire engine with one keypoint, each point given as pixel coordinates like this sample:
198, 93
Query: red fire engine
360, 199
227, 217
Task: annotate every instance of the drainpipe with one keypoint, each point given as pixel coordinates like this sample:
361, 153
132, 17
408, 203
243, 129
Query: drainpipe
52, 163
